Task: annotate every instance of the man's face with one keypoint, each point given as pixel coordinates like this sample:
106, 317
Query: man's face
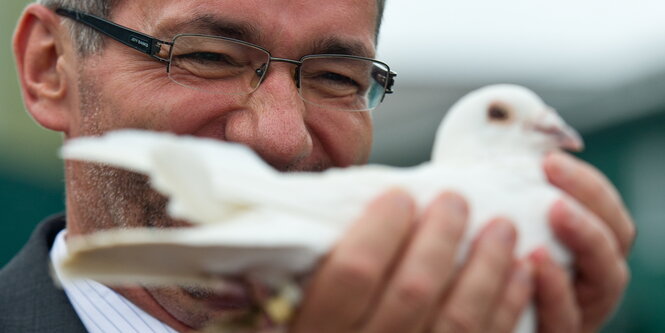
134, 90
122, 88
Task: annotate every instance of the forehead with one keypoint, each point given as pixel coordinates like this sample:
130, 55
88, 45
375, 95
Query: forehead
279, 25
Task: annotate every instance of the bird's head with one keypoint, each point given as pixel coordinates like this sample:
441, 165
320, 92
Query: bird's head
502, 120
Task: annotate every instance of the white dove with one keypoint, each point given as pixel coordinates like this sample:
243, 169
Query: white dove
249, 217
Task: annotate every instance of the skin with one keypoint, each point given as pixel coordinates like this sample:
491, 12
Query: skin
403, 281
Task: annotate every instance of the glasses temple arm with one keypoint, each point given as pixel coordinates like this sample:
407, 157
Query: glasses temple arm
385, 77
391, 82
134, 39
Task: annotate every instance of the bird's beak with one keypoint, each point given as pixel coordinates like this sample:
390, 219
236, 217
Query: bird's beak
566, 137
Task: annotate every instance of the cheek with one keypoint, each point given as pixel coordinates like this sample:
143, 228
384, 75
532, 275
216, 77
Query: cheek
151, 100
345, 136
192, 112
131, 93
148, 99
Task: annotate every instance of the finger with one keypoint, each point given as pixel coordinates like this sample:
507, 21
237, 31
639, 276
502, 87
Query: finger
345, 284
476, 288
516, 296
601, 270
424, 270
592, 189
555, 299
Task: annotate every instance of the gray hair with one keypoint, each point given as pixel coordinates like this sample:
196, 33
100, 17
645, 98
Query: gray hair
88, 41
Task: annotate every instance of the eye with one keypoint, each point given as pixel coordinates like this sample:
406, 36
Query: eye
209, 57
498, 112
338, 79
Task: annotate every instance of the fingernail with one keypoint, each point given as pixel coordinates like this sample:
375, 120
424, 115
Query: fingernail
563, 164
503, 231
455, 204
571, 211
400, 199
540, 255
523, 273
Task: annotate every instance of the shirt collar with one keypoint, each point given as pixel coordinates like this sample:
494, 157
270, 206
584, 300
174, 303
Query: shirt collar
100, 308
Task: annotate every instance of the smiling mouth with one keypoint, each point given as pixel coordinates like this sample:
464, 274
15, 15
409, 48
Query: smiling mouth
233, 295
244, 304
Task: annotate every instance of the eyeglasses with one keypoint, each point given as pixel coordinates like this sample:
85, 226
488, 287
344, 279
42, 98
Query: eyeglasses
229, 66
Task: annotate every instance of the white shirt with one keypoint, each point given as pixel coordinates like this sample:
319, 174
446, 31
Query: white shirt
101, 309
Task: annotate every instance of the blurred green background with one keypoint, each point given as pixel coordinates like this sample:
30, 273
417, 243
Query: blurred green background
31, 185
631, 153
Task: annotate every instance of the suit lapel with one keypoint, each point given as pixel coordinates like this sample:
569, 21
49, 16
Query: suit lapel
30, 300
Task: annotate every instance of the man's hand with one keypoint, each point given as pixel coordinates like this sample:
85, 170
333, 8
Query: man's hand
598, 231
396, 272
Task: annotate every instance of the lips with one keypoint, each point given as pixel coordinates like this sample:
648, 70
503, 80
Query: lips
229, 302
231, 294
242, 304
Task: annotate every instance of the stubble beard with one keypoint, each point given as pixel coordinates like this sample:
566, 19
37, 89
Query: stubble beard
107, 197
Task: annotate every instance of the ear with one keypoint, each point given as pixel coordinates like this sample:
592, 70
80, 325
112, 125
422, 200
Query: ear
44, 57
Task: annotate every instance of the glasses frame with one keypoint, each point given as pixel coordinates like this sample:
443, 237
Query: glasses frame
162, 50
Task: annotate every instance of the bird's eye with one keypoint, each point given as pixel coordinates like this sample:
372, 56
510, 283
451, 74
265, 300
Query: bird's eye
498, 112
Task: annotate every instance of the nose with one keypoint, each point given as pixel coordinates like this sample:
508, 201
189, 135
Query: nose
274, 123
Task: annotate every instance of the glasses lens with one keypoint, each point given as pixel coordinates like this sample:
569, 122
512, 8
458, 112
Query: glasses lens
343, 83
217, 65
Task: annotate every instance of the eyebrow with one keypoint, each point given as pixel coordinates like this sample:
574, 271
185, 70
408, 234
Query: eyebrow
335, 45
218, 26
211, 25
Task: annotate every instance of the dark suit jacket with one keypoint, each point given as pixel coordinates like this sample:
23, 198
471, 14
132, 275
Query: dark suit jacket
29, 299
